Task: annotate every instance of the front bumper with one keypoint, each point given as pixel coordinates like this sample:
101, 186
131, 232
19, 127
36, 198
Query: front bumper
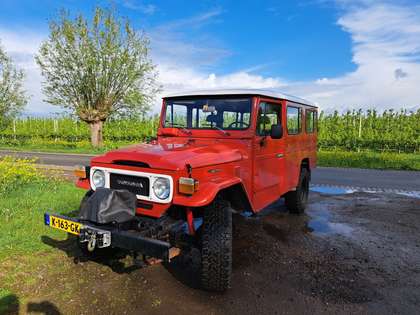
129, 240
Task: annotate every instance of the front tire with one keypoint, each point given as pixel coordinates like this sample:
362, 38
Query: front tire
216, 246
297, 200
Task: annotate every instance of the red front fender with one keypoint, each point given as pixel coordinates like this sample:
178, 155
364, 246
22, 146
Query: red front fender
206, 193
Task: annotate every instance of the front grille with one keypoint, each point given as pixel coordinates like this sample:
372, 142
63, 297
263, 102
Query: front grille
135, 184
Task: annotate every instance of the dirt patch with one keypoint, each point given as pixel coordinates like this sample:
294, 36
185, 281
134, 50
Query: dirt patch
355, 253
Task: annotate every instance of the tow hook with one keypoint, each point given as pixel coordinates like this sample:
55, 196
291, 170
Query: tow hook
95, 238
92, 242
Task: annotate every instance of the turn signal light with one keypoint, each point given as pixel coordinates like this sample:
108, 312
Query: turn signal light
80, 172
187, 185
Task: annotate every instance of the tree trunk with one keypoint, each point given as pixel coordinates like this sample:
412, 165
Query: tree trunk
96, 138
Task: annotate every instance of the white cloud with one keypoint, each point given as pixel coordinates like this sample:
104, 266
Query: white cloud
148, 9
171, 45
386, 52
174, 78
22, 45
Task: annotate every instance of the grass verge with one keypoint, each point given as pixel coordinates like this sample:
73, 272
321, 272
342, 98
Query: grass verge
372, 160
23, 254
22, 215
66, 147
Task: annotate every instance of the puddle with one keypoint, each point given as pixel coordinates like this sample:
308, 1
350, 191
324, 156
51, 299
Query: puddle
332, 190
413, 194
320, 224
246, 214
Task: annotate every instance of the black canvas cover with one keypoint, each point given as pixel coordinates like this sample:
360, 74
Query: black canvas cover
109, 205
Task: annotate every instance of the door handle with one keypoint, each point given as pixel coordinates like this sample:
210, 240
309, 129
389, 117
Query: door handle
279, 155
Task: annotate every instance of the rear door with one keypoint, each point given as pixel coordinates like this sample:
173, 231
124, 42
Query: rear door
311, 134
295, 143
269, 155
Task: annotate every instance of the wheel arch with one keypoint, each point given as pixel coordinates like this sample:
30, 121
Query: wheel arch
237, 197
231, 189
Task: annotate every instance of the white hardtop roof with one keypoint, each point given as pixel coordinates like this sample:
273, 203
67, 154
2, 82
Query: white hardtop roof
269, 93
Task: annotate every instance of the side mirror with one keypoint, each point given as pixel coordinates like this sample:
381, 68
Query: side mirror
276, 131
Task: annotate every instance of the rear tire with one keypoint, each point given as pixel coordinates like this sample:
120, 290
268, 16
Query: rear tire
216, 246
297, 200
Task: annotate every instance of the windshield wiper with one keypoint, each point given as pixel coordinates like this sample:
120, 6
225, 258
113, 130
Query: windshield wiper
185, 130
182, 128
222, 130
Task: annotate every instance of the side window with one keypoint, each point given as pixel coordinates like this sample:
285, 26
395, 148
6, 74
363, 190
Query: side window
176, 116
294, 120
310, 121
268, 114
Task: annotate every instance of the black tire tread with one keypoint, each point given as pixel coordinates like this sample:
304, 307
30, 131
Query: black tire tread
216, 246
293, 200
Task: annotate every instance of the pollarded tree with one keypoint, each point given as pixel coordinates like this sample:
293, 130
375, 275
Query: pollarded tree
97, 68
12, 95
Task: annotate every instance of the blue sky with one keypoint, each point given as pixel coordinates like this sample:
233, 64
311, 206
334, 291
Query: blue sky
341, 54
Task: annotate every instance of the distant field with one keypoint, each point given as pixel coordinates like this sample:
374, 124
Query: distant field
390, 140
353, 131
374, 160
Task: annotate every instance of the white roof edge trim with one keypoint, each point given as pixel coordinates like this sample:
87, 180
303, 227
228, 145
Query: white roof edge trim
262, 92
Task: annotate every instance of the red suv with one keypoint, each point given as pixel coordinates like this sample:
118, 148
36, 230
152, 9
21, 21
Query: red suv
216, 152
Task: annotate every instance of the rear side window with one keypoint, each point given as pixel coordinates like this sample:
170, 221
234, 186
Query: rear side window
310, 121
268, 114
294, 120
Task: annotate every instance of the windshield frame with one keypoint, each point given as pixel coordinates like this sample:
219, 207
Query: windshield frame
249, 121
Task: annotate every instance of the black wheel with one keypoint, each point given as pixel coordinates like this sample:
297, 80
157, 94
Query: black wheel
216, 246
297, 200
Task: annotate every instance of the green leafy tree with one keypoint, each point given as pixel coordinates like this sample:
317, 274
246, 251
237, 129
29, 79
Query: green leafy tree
97, 69
12, 95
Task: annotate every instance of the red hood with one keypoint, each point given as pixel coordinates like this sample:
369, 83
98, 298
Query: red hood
174, 153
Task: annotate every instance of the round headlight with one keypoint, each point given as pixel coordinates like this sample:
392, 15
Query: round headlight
98, 179
161, 188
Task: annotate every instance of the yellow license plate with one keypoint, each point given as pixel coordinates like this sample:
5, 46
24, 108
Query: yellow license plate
65, 225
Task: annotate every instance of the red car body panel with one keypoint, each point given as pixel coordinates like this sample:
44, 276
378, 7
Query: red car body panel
265, 168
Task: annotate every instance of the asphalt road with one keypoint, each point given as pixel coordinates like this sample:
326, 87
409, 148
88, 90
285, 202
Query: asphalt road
341, 177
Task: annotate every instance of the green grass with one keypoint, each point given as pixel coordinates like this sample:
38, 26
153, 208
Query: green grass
21, 215
63, 147
372, 160
23, 255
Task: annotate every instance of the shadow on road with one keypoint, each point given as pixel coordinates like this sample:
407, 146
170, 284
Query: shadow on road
185, 267
113, 258
9, 305
43, 307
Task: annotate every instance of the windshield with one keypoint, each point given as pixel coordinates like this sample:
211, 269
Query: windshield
208, 113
